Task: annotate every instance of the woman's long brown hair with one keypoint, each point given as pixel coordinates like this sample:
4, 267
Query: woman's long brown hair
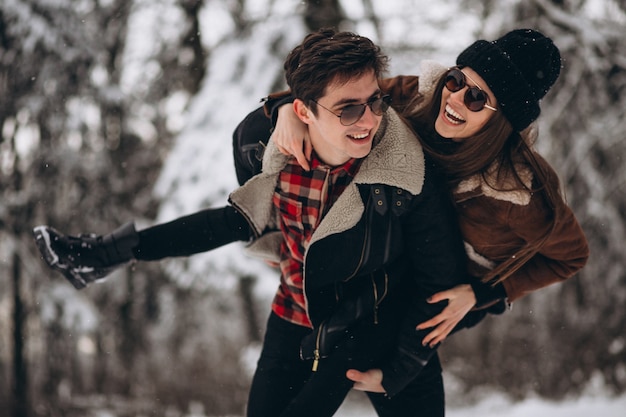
496, 141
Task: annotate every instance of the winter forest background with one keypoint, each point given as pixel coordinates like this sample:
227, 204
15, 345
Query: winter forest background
114, 110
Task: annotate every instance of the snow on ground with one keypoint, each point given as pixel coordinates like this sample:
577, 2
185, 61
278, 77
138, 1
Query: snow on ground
497, 406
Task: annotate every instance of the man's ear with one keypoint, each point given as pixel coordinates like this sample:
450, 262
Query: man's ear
302, 111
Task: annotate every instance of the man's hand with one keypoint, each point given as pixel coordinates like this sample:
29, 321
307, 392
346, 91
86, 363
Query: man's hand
370, 381
291, 136
461, 300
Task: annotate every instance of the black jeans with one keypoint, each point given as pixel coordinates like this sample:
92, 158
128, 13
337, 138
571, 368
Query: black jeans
284, 385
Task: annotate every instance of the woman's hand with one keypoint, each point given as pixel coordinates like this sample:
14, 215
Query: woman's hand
291, 136
370, 381
461, 300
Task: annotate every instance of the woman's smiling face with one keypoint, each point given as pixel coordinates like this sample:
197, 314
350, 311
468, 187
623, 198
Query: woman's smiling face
455, 121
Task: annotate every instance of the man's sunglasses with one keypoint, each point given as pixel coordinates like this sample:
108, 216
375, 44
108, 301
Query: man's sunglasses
475, 98
352, 113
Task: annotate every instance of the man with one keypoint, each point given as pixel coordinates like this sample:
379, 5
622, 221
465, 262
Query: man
362, 239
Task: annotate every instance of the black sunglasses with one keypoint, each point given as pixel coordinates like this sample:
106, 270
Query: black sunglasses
352, 113
475, 98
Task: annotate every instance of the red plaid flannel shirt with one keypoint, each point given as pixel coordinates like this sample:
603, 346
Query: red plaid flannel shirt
303, 198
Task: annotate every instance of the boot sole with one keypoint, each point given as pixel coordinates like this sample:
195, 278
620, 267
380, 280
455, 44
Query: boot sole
42, 239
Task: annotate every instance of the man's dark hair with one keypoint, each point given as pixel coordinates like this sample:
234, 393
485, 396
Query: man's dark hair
328, 56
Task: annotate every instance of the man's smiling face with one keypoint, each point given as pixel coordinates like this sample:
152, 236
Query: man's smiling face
333, 142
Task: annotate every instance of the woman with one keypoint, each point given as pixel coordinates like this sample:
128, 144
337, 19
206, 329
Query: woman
476, 120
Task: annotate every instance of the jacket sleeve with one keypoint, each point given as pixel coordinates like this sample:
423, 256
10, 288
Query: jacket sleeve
195, 233
437, 262
250, 138
274, 101
564, 253
403, 90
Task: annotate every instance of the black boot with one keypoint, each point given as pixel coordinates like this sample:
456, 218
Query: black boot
86, 258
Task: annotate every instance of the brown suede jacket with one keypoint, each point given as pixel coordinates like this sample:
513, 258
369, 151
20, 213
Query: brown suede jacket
496, 223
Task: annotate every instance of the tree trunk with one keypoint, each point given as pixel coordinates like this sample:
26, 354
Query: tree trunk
128, 339
323, 13
20, 374
246, 291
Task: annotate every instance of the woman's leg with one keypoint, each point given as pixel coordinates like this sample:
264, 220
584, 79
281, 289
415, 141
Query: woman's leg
423, 397
280, 373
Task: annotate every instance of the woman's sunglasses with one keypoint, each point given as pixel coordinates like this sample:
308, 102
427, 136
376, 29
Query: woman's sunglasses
352, 113
475, 99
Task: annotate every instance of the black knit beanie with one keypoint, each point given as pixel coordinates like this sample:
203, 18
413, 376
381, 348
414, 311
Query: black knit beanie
520, 67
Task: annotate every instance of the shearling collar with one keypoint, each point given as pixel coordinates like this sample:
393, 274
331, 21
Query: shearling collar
503, 188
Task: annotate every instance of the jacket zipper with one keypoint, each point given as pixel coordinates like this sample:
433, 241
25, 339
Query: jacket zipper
377, 300
365, 240
316, 351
